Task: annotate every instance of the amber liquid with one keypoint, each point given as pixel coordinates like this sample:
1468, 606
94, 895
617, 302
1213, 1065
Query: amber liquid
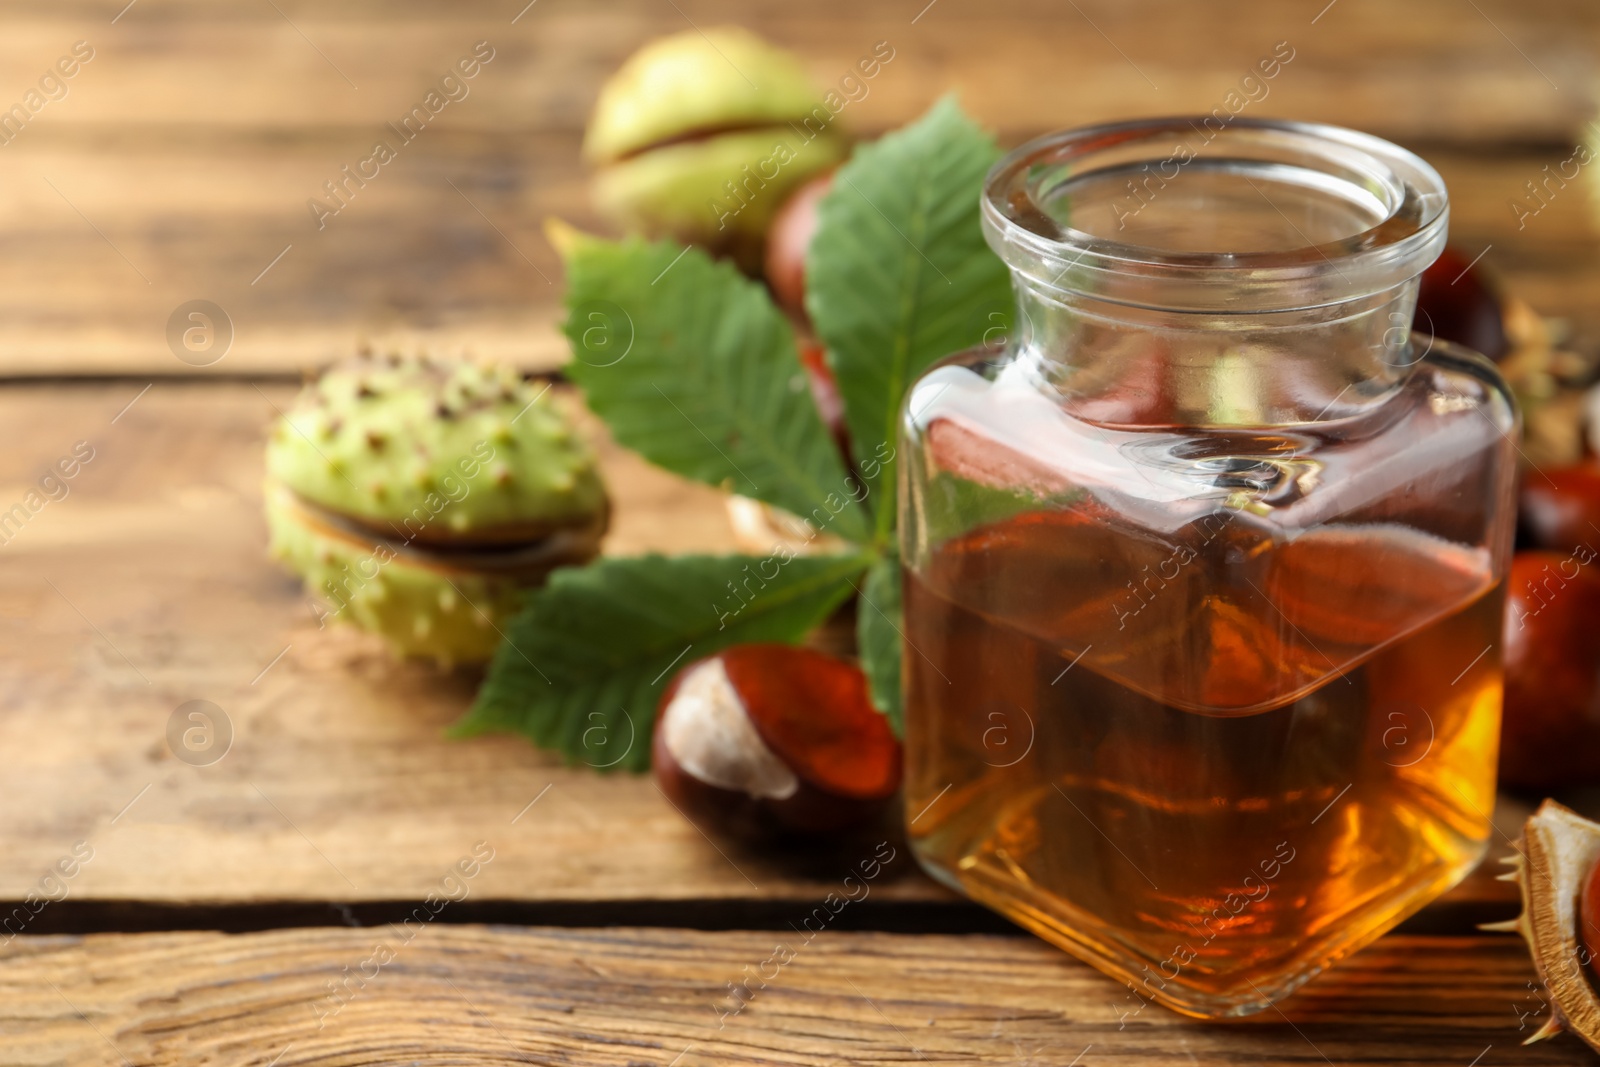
1216, 780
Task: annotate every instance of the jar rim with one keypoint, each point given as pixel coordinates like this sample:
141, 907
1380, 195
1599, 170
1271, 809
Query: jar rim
1053, 256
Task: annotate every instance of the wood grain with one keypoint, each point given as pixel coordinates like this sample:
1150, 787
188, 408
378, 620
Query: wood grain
1437, 70
412, 260
178, 167
180, 164
147, 586
478, 995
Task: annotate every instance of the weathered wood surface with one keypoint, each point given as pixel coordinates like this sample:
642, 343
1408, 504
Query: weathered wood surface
1434, 68
147, 586
484, 995
178, 167
180, 162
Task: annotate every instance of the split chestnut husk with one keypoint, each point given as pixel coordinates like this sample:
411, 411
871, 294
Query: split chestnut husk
1560, 851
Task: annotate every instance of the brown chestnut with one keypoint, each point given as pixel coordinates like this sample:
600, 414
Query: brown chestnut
1589, 915
1559, 508
766, 739
825, 391
1550, 735
788, 241
1458, 302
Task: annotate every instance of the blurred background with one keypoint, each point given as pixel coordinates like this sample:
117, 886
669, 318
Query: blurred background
176, 163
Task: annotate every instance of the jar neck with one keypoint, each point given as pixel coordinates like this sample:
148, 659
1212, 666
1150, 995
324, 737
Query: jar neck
1174, 272
1125, 366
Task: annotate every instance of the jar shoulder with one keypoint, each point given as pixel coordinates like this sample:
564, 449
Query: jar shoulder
1155, 550
1446, 433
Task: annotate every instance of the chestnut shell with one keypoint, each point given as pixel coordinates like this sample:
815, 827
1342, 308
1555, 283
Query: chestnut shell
789, 240
1457, 302
814, 713
1550, 735
1559, 507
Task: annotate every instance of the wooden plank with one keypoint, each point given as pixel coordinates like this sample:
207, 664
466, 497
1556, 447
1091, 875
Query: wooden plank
147, 586
180, 162
1507, 71
102, 242
481, 995
88, 221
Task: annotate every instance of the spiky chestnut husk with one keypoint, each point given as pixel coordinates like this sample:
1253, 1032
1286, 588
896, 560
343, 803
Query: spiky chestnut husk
1543, 376
1464, 300
692, 81
436, 452
449, 606
1559, 850
418, 611
420, 499
1549, 380
685, 146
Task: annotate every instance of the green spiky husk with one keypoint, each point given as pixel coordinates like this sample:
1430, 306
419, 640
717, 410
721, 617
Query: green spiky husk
691, 82
712, 192
436, 451
419, 499
419, 611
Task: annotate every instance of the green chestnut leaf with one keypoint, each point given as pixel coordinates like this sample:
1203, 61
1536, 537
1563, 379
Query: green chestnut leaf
692, 366
898, 276
880, 638
583, 665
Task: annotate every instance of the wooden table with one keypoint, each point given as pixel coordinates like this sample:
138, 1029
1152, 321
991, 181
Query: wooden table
236, 913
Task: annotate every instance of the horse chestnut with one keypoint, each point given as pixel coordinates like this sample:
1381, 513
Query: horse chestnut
1550, 735
788, 241
825, 391
1589, 916
1559, 509
1458, 303
685, 145
766, 738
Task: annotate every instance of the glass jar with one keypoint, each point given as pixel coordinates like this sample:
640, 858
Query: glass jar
1204, 564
